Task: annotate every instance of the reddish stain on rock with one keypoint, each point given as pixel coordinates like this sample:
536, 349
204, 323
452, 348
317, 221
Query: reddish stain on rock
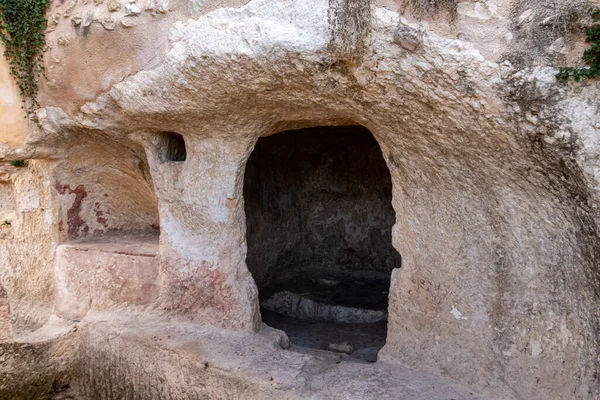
100, 215
200, 289
74, 221
216, 279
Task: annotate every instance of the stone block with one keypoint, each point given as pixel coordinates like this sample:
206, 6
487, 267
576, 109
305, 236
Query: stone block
105, 273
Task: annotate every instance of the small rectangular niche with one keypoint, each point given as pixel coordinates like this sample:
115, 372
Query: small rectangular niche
171, 147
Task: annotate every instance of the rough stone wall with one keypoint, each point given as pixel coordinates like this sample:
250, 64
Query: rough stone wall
5, 322
495, 171
318, 201
112, 40
28, 238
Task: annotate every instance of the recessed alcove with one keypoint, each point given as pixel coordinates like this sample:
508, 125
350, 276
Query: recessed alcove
109, 227
319, 223
171, 147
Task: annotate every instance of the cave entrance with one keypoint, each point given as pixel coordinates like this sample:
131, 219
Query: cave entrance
318, 204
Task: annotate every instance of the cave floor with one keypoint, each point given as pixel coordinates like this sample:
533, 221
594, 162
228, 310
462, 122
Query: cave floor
307, 300
360, 342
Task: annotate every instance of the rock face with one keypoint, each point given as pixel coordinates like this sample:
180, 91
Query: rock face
5, 323
494, 168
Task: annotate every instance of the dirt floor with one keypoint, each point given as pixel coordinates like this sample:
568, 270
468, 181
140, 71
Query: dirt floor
361, 341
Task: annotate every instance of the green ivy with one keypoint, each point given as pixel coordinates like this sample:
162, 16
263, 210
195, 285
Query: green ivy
22, 26
591, 56
19, 163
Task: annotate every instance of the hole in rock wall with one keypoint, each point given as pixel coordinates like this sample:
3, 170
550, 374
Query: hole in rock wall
171, 147
319, 229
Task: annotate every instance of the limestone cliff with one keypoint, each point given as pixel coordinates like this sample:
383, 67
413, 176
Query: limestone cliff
132, 198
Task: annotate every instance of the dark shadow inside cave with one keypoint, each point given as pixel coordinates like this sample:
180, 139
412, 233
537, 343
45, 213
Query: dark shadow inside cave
319, 215
172, 147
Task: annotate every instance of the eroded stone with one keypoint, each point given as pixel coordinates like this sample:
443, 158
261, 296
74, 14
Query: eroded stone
113, 5
407, 37
494, 170
5, 323
132, 9
107, 272
109, 23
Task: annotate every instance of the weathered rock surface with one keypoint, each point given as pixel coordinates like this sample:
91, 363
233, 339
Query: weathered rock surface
407, 37
295, 305
5, 323
40, 364
192, 362
113, 272
494, 165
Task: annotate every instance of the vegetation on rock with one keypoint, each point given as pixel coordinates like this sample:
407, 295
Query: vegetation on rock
591, 56
22, 25
19, 163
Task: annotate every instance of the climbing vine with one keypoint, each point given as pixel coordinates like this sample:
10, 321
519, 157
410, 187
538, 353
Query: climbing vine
22, 26
591, 56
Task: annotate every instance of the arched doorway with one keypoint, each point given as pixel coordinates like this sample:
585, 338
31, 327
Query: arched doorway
319, 223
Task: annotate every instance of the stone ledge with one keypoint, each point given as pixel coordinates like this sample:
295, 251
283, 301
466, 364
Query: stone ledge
115, 271
40, 363
192, 361
298, 305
